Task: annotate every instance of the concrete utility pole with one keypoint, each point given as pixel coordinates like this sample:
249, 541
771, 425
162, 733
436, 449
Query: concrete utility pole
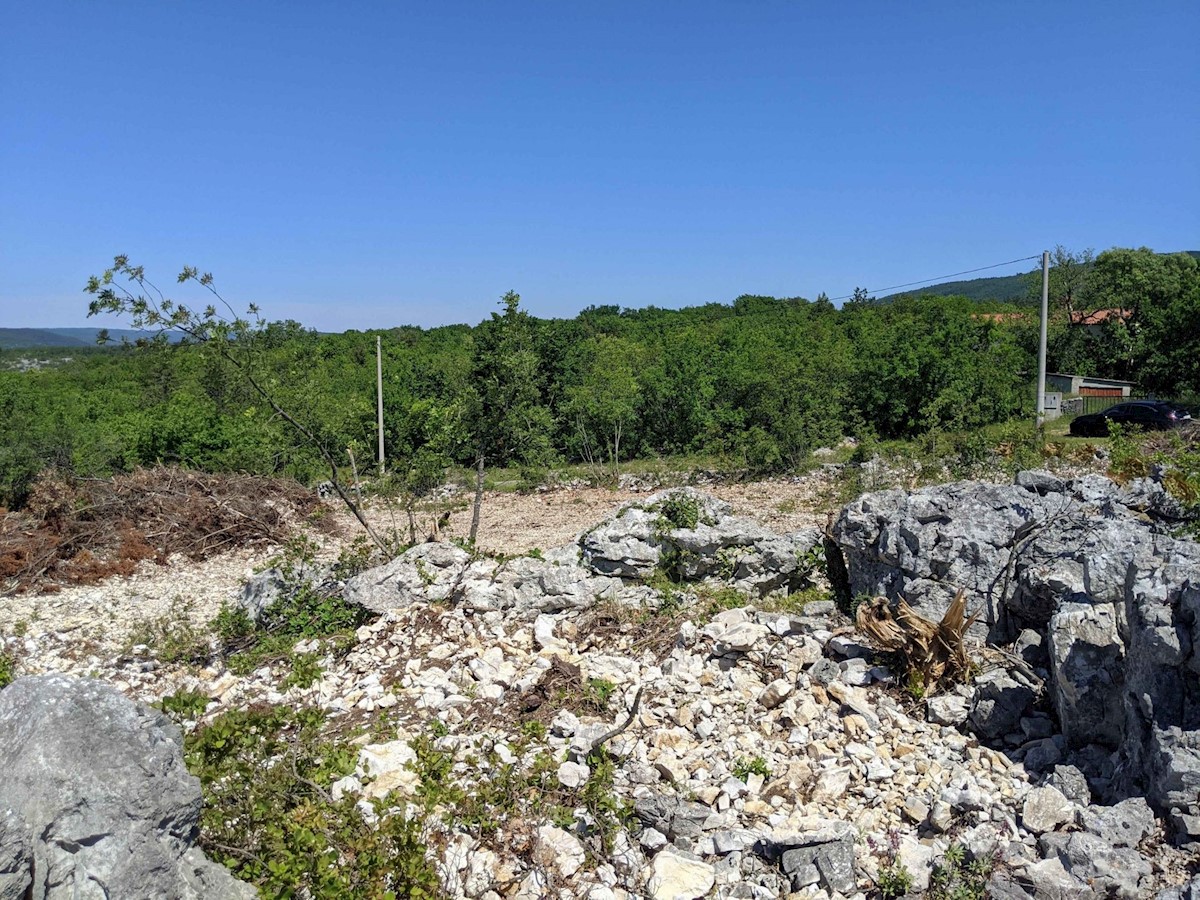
1041, 387
379, 392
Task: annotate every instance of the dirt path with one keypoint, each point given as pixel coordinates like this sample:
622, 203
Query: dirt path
517, 523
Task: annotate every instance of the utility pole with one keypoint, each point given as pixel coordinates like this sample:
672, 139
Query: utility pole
379, 392
1041, 385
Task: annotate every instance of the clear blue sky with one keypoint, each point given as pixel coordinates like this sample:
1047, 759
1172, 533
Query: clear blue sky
369, 164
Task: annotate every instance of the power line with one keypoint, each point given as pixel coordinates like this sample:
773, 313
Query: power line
896, 287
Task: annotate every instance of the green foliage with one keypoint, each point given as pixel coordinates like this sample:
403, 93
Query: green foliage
232, 624
354, 559
744, 768
306, 608
759, 382
269, 817
894, 880
1175, 453
183, 706
606, 813
305, 671
172, 637
954, 879
597, 692
793, 602
678, 511
532, 729
915, 685
8, 664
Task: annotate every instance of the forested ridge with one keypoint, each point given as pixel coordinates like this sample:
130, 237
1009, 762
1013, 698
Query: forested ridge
761, 381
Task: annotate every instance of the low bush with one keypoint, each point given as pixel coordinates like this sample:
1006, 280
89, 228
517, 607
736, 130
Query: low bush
269, 815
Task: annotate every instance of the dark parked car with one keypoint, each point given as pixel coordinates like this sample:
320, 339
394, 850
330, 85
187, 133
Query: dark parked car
1150, 415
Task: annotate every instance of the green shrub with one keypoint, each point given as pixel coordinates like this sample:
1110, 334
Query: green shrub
744, 768
894, 880
305, 609
269, 817
954, 879
678, 511
597, 692
184, 705
7, 669
305, 671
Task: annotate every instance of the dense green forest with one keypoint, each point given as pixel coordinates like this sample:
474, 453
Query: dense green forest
761, 381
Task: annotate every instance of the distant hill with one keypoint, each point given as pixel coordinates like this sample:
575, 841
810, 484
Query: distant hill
11, 338
1006, 288
22, 338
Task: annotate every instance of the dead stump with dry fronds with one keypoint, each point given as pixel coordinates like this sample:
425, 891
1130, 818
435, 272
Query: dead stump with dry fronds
932, 652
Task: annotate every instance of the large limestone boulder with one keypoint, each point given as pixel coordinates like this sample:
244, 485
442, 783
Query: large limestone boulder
97, 785
437, 572
707, 541
1093, 567
425, 572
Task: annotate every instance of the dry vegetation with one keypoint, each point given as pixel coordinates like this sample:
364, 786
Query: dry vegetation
80, 531
932, 652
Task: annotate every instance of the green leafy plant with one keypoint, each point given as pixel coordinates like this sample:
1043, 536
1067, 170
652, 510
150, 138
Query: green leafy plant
354, 559
744, 768
894, 880
305, 671
305, 608
532, 729
914, 685
8, 664
597, 692
955, 879
606, 813
269, 816
184, 705
678, 511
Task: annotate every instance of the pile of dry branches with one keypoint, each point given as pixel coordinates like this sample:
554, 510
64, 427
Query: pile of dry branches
78, 531
931, 652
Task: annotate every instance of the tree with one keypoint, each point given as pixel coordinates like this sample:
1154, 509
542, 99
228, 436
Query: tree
1153, 331
603, 405
233, 339
1069, 291
509, 423
860, 297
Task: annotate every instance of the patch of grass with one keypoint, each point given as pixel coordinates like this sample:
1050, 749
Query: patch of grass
794, 602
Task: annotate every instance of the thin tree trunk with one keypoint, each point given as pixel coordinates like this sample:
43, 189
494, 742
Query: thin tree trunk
478, 498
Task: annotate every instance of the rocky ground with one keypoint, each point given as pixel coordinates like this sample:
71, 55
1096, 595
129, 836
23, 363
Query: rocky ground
730, 737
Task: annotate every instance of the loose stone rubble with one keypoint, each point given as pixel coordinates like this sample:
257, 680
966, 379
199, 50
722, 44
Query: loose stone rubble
771, 753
